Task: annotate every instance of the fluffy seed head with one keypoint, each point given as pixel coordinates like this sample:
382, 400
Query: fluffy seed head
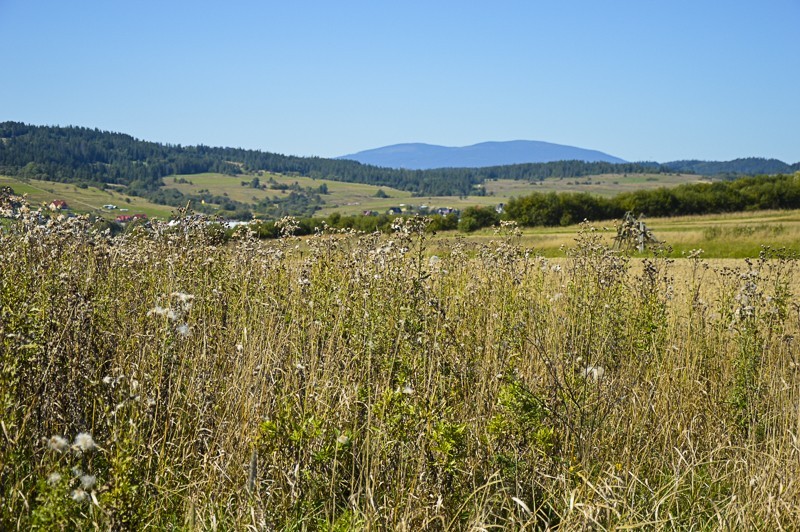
57, 443
84, 442
88, 481
594, 373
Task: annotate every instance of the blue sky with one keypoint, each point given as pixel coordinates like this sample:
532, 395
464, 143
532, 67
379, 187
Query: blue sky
639, 79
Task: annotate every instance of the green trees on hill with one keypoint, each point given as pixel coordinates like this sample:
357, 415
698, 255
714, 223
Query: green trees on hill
75, 154
86, 156
747, 193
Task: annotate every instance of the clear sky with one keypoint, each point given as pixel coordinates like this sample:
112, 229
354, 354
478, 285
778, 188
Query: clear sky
639, 79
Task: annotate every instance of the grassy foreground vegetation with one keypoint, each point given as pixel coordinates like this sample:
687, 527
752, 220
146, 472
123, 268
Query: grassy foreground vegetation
162, 380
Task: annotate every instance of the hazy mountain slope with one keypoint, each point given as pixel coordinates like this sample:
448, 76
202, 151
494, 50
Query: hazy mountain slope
425, 156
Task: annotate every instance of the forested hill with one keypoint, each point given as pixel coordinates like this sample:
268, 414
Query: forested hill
747, 166
91, 156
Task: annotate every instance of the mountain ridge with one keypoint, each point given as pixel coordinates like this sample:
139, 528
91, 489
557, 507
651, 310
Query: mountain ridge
423, 156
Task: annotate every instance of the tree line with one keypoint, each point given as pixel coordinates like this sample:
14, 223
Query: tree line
746, 193
91, 157
566, 208
83, 155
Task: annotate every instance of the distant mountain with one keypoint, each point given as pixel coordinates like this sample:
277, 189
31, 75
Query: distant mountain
418, 156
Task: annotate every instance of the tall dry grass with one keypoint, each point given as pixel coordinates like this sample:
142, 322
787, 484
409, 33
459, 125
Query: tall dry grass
359, 382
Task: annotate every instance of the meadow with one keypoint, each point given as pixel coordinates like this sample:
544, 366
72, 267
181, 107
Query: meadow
162, 379
342, 197
728, 235
355, 198
89, 200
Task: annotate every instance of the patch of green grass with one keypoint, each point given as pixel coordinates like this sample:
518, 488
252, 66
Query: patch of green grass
84, 200
601, 185
346, 198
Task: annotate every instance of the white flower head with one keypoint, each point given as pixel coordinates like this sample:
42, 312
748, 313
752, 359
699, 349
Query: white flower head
343, 439
84, 442
78, 495
185, 299
594, 373
88, 481
58, 443
183, 329
54, 478
158, 310
408, 390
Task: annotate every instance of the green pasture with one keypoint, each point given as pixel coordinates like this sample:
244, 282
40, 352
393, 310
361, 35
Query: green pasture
88, 200
601, 185
347, 198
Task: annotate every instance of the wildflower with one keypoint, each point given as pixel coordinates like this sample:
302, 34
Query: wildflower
434, 260
84, 442
158, 310
343, 439
88, 481
183, 330
57, 443
408, 390
54, 478
185, 299
78, 495
594, 373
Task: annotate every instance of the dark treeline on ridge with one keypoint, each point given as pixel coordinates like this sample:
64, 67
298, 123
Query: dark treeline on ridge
94, 157
76, 154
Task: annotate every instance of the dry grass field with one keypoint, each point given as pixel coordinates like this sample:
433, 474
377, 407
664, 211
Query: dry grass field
161, 380
731, 235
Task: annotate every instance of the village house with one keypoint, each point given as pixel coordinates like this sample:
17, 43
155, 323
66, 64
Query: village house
57, 205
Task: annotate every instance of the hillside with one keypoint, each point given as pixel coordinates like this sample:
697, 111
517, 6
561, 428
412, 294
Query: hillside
419, 156
744, 166
93, 159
